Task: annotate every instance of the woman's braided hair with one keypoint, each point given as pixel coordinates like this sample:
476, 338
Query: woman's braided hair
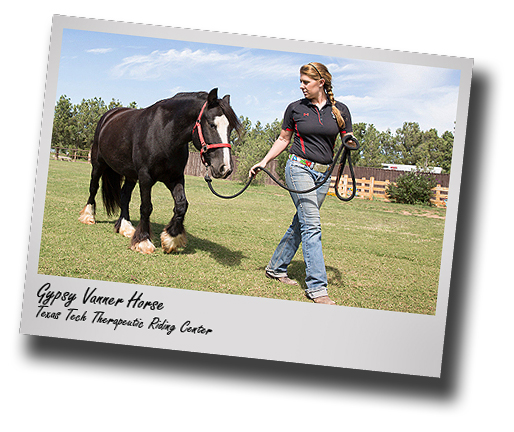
318, 71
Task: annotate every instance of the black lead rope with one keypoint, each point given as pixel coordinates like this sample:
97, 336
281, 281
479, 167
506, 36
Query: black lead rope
345, 149
346, 156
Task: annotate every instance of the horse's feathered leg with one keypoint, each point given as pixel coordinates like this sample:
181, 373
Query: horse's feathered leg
141, 239
87, 215
123, 225
174, 234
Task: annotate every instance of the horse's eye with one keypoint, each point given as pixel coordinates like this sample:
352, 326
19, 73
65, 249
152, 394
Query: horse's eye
213, 125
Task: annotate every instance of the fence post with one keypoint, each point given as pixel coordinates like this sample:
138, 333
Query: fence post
437, 193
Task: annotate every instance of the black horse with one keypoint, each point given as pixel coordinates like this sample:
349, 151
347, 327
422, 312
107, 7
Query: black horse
150, 145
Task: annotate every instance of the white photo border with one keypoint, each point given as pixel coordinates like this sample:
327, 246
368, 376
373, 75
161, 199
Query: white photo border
247, 326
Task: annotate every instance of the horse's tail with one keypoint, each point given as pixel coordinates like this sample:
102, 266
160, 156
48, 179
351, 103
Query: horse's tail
111, 180
111, 191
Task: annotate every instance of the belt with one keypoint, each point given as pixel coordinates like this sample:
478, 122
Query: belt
313, 165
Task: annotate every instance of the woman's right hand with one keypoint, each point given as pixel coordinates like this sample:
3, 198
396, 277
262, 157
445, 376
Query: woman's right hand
255, 169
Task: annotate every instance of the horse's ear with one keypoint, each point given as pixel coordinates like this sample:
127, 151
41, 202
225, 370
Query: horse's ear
212, 99
226, 98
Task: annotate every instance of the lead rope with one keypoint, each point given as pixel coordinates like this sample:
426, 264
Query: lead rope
345, 149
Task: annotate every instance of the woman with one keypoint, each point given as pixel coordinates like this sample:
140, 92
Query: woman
316, 122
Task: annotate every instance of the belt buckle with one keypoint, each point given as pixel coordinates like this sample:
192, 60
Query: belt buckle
319, 167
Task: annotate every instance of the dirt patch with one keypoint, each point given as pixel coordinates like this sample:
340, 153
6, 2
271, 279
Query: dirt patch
432, 215
426, 214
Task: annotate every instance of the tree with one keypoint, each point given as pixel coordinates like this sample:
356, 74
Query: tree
425, 149
388, 147
428, 149
115, 103
407, 142
435, 151
359, 131
446, 151
86, 117
252, 146
376, 147
371, 151
62, 132
272, 132
74, 125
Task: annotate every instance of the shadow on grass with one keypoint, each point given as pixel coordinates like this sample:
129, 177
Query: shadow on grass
218, 252
296, 271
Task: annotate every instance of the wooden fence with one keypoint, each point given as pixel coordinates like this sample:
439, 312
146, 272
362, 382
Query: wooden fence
194, 165
196, 168
376, 189
380, 174
73, 155
371, 182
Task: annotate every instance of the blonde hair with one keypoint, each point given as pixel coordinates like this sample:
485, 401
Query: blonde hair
317, 71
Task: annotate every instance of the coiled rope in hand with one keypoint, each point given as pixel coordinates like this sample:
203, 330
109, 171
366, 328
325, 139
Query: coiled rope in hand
344, 149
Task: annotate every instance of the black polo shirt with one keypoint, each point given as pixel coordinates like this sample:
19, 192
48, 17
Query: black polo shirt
315, 130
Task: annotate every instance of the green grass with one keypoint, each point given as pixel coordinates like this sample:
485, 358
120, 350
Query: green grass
378, 255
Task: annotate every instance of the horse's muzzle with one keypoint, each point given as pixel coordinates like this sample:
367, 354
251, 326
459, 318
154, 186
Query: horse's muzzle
220, 172
223, 172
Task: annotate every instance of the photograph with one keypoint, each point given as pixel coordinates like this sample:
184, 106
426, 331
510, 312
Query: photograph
256, 216
187, 179
126, 152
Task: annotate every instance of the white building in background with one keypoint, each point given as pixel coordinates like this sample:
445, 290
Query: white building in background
397, 167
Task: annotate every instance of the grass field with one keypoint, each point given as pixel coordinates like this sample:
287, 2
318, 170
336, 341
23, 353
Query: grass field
378, 255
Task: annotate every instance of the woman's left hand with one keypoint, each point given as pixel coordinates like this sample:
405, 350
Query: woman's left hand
350, 142
255, 169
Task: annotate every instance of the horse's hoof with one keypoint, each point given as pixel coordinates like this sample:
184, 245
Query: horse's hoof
145, 247
87, 215
126, 229
171, 244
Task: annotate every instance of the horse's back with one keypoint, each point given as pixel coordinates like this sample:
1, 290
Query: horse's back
114, 140
111, 118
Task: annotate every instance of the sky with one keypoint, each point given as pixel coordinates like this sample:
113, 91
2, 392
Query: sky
261, 83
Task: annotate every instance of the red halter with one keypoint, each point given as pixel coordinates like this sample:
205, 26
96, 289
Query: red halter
204, 146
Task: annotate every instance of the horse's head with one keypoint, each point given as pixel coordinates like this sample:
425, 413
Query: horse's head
212, 131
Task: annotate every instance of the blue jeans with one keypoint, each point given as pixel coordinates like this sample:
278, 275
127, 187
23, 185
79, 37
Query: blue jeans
305, 229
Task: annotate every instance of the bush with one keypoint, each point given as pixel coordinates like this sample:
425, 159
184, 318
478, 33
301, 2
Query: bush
248, 156
412, 188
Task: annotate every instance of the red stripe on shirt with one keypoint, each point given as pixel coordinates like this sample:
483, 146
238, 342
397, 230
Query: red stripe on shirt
301, 139
319, 116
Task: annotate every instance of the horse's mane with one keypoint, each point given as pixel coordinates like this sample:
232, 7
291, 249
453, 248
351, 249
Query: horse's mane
232, 118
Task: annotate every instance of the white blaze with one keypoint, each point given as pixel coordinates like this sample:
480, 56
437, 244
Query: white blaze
222, 127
